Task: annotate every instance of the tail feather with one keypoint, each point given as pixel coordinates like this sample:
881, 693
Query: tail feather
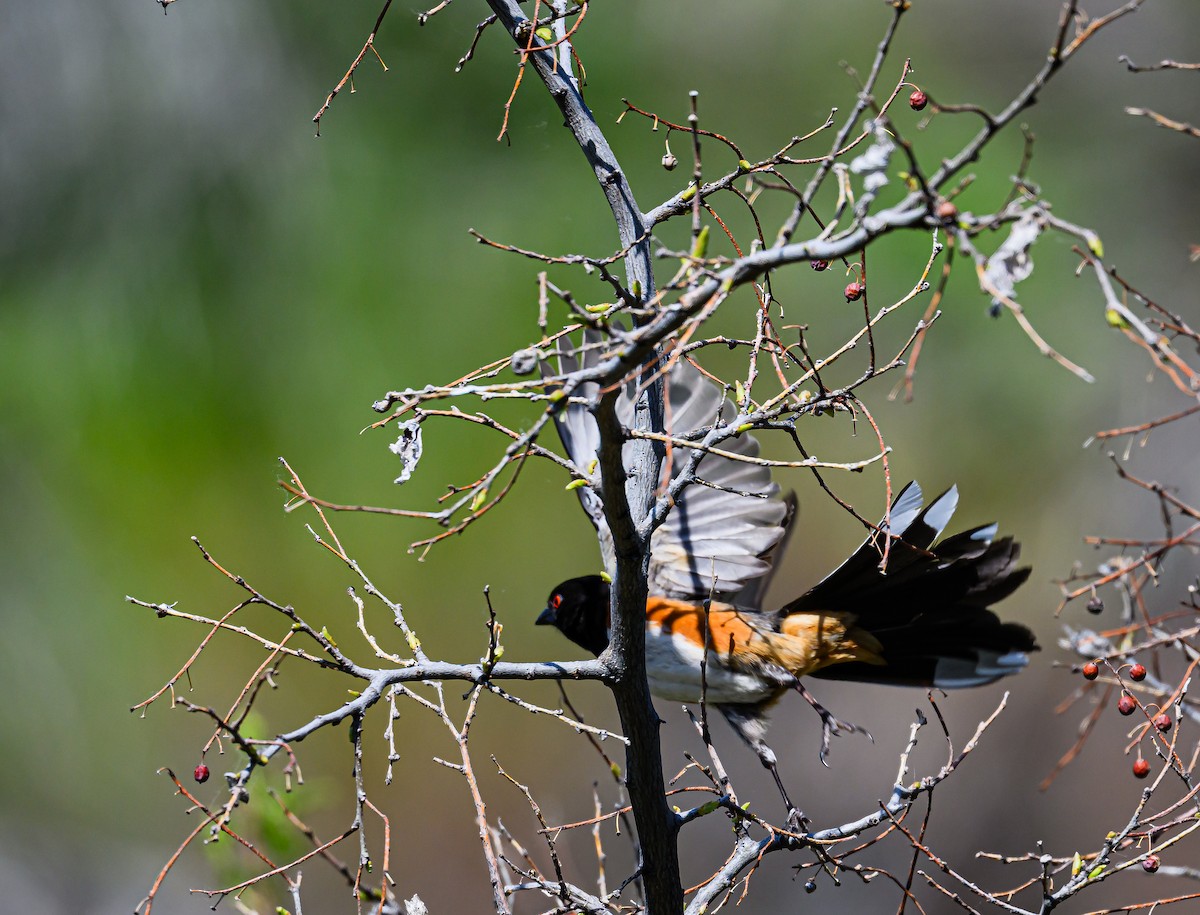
929, 610
957, 647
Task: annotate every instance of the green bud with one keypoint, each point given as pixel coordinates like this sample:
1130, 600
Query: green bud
1115, 319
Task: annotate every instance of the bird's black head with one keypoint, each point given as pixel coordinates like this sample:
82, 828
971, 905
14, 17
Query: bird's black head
578, 608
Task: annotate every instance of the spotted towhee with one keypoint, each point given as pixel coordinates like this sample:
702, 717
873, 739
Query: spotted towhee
923, 620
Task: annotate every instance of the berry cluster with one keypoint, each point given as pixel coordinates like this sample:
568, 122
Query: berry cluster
1127, 705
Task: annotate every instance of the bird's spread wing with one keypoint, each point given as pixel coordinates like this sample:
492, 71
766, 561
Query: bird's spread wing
928, 615
718, 536
978, 569
578, 430
905, 520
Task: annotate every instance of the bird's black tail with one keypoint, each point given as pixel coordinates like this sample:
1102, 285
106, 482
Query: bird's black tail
929, 610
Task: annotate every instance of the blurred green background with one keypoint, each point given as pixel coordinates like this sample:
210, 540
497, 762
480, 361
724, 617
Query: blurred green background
192, 286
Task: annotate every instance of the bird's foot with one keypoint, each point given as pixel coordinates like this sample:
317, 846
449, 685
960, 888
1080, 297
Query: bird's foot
830, 725
797, 821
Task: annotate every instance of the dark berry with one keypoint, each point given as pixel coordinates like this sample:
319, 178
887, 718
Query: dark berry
945, 210
1095, 605
1141, 768
1091, 670
1163, 722
1137, 672
855, 291
201, 773
810, 886
819, 265
1150, 864
918, 100
1126, 704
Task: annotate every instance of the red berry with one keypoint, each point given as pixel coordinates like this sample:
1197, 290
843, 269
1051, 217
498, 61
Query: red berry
945, 210
1126, 704
1163, 722
1150, 864
1141, 768
1091, 670
819, 265
918, 100
201, 773
855, 291
1137, 672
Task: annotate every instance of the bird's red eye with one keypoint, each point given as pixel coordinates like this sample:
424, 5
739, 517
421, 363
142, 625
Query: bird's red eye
556, 601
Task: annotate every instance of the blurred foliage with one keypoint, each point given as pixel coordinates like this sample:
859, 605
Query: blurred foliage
193, 286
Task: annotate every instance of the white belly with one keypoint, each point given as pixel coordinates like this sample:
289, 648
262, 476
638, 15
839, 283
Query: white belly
673, 669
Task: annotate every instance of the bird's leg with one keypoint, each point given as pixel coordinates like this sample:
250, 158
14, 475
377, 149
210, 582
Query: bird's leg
829, 724
796, 819
749, 721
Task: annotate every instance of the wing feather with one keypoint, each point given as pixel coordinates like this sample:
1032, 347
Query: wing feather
717, 538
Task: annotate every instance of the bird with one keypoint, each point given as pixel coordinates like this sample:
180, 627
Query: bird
921, 619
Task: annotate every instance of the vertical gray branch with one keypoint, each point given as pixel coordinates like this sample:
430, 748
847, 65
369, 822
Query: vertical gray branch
628, 502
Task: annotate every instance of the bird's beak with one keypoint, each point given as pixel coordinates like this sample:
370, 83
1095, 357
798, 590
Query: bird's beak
547, 618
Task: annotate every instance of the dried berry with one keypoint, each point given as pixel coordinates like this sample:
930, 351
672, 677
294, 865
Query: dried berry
1141, 768
855, 291
1126, 704
1137, 672
201, 773
1095, 605
819, 265
1150, 864
669, 162
1163, 722
1091, 670
918, 100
